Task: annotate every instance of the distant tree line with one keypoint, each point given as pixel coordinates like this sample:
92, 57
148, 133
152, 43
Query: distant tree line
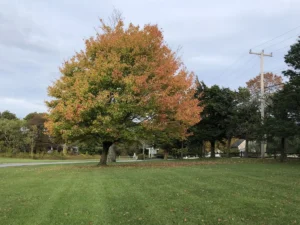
28, 135
231, 114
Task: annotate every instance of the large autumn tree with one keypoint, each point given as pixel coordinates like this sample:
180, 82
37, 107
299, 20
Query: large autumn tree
126, 80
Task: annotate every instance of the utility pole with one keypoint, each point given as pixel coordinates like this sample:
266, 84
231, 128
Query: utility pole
262, 92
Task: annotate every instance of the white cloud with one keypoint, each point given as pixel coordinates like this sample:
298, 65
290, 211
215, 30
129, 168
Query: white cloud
15, 104
210, 60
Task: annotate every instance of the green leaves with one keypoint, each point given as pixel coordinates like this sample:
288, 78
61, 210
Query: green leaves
218, 106
12, 134
284, 113
8, 115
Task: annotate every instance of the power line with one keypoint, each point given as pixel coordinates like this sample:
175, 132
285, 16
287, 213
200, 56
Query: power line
249, 68
281, 48
245, 64
266, 87
230, 70
276, 37
274, 85
280, 41
234, 62
279, 70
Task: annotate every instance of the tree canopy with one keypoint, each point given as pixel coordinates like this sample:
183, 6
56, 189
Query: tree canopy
125, 78
12, 135
8, 115
218, 110
272, 83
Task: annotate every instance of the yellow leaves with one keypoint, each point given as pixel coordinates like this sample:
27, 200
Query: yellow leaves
49, 125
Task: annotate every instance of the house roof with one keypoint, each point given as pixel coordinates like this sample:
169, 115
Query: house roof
237, 143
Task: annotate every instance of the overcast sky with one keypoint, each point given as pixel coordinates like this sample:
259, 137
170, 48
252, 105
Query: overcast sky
215, 37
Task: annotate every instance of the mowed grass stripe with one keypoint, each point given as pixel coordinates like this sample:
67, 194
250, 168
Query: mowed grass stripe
44, 213
137, 205
75, 204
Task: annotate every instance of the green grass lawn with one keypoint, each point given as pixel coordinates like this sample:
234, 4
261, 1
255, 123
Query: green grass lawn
225, 192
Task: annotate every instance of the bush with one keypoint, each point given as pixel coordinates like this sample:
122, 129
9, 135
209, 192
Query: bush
142, 156
160, 155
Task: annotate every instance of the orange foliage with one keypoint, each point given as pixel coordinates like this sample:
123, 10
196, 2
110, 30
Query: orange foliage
123, 73
272, 83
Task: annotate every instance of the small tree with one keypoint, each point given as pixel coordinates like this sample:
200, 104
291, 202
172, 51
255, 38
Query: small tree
12, 135
32, 136
280, 123
38, 138
168, 138
217, 113
248, 120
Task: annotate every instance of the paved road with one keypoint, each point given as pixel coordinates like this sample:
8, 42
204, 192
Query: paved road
41, 163
3, 165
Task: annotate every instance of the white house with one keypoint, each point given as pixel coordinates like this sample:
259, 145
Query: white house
151, 151
240, 145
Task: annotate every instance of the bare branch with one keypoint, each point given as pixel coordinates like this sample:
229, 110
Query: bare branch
115, 18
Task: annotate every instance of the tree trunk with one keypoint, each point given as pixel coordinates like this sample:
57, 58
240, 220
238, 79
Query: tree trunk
228, 147
32, 148
65, 149
275, 153
203, 149
246, 148
103, 159
282, 155
143, 152
212, 149
181, 155
166, 153
111, 157
31, 151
